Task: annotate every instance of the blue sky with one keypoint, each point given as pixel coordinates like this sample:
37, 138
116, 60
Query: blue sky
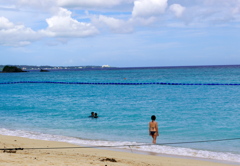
120, 33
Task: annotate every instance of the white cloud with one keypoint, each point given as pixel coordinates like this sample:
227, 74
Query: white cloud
149, 8
92, 4
29, 5
115, 25
236, 10
144, 12
88, 3
211, 12
55, 19
220, 2
5, 23
16, 35
33, 4
177, 9
63, 25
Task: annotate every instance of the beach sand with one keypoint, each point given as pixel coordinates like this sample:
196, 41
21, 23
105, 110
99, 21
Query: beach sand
83, 156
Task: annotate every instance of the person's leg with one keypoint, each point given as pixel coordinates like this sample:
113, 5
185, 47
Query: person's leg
155, 138
153, 135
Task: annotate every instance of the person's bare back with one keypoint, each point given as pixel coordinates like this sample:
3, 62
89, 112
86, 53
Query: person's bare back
153, 126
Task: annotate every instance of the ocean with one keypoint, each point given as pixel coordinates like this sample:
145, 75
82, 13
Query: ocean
42, 108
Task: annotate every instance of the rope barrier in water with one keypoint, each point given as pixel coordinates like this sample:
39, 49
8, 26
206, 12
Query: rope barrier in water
78, 147
117, 83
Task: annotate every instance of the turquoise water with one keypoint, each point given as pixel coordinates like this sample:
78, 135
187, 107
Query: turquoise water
184, 113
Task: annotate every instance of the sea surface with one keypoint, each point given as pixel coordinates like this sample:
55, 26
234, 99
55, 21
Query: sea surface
185, 113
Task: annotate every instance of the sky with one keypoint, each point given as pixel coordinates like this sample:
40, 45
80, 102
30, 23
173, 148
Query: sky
120, 33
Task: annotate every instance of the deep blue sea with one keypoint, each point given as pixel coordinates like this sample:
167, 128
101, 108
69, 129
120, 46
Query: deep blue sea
184, 113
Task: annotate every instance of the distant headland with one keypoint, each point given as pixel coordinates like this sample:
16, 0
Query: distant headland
25, 68
12, 69
29, 68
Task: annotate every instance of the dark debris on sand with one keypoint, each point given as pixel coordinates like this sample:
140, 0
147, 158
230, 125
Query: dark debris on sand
108, 159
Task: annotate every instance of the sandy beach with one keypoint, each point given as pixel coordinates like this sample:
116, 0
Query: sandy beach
83, 156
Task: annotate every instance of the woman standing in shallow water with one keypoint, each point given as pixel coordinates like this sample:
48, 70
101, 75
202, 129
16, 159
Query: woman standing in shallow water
153, 129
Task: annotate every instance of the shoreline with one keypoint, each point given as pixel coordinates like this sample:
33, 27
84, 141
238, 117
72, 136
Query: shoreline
134, 151
89, 156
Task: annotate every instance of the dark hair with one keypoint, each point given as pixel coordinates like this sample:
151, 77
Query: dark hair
153, 117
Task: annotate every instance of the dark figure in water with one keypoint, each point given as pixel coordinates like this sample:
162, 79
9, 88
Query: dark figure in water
92, 115
95, 115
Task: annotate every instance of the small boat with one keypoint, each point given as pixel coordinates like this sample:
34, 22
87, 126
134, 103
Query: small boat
42, 70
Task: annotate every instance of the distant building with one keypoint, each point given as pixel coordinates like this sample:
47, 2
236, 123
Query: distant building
105, 66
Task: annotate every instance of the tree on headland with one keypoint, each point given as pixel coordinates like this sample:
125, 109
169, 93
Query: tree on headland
12, 69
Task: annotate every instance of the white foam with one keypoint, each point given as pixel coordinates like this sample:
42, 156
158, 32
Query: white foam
135, 146
191, 153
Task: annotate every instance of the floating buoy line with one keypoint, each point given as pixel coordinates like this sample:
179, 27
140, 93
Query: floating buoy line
118, 83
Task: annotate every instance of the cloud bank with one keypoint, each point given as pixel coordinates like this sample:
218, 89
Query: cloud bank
85, 18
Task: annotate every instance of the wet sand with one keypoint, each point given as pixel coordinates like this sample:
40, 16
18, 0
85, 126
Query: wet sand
84, 156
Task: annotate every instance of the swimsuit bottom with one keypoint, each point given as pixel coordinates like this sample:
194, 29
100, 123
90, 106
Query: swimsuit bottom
152, 132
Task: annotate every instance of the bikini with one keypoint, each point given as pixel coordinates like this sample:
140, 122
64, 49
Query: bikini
152, 132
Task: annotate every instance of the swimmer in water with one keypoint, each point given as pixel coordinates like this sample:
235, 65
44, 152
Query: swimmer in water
153, 129
92, 115
95, 115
